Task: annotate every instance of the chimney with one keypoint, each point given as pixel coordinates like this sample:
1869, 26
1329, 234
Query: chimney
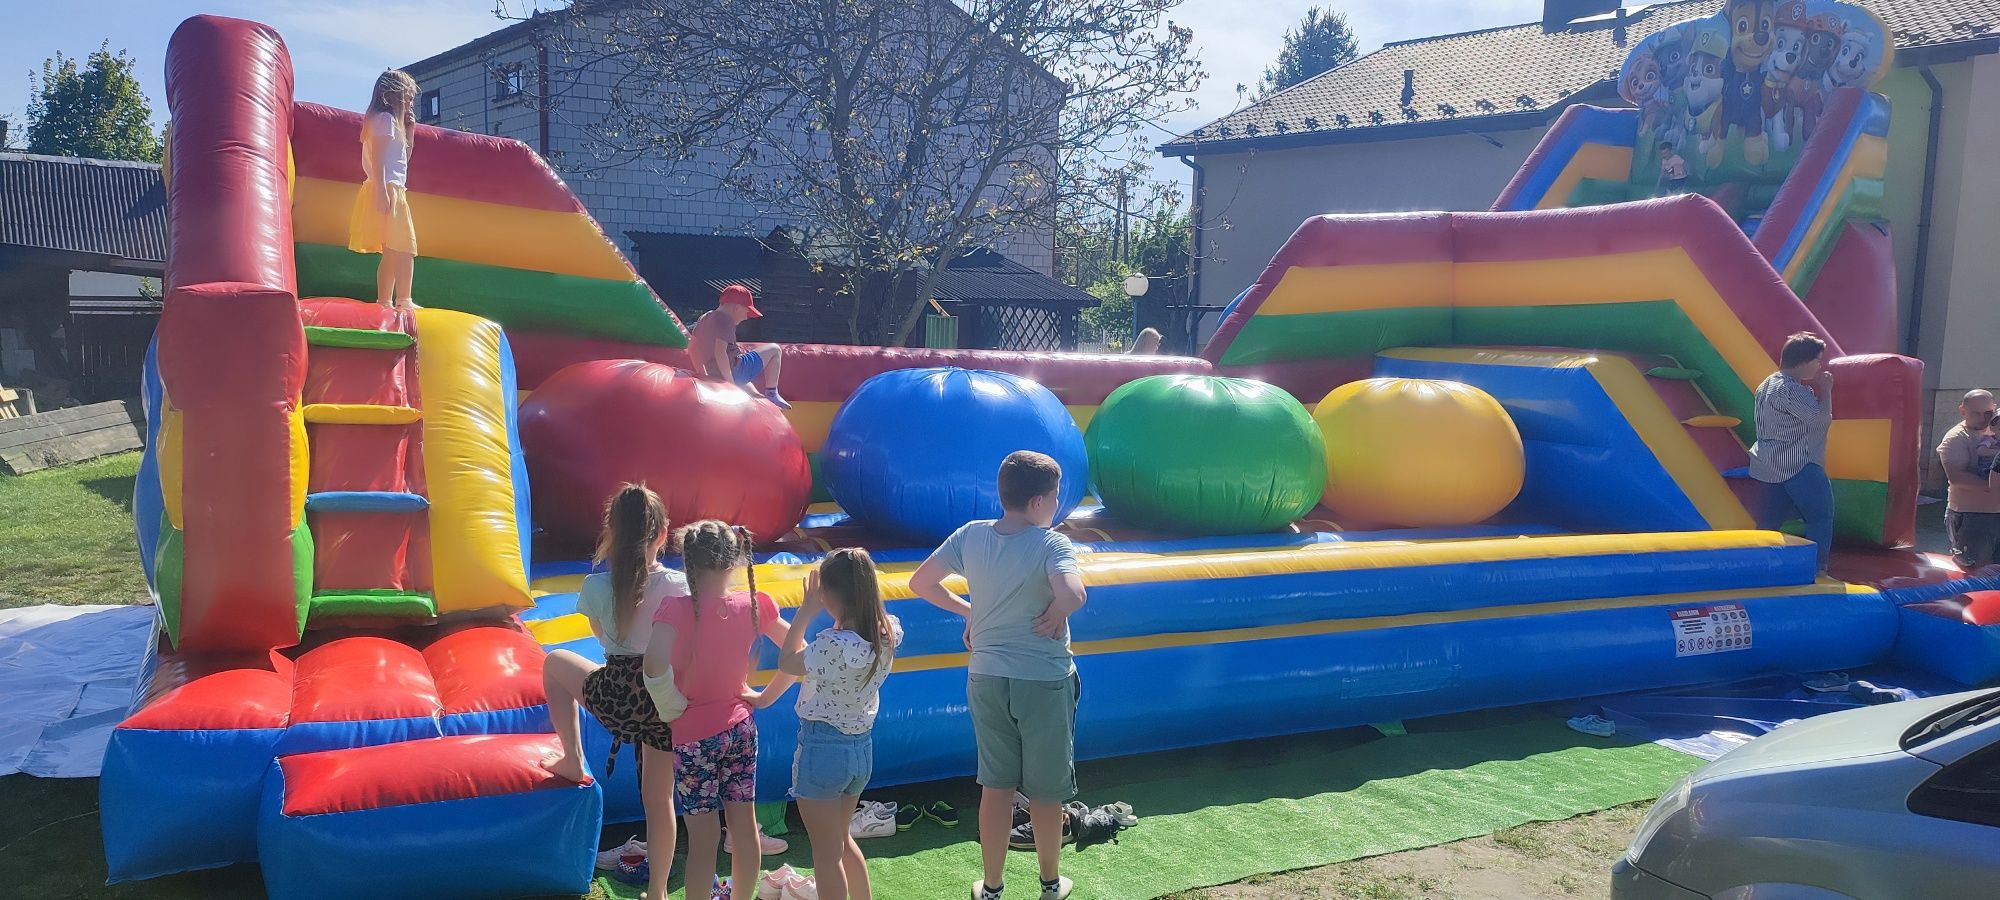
1409, 87
1557, 14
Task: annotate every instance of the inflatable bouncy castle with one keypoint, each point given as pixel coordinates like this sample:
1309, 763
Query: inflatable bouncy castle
1430, 462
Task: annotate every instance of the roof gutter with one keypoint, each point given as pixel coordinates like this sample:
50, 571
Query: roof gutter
1194, 229
1913, 329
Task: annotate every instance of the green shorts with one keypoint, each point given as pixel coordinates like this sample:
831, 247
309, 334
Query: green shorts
1026, 731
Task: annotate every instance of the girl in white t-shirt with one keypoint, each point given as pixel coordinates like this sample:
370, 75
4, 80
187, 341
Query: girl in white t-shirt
380, 221
841, 673
635, 705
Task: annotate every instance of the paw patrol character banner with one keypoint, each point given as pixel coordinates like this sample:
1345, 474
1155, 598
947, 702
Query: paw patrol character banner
1734, 96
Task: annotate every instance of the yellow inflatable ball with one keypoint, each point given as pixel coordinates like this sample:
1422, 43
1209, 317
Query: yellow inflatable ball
1418, 454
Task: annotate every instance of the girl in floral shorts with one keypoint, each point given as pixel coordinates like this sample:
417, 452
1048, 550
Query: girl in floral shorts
708, 638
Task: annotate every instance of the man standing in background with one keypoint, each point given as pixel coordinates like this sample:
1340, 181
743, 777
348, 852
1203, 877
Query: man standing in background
1972, 510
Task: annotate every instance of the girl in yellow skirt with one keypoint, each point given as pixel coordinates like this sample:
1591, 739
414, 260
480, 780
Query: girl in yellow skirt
381, 220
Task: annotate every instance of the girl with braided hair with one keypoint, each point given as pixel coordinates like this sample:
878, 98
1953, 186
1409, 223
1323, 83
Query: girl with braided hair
707, 639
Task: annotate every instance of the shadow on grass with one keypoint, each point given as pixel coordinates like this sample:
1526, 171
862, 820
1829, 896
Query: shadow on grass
116, 490
50, 847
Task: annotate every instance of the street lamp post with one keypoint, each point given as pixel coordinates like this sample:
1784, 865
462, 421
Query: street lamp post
1136, 285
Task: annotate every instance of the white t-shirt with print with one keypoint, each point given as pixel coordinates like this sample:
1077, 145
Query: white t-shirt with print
837, 688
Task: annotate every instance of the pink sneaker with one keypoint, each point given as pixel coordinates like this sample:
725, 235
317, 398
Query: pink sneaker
776, 883
770, 845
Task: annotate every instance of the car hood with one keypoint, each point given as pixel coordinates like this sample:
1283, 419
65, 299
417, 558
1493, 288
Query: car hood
1849, 734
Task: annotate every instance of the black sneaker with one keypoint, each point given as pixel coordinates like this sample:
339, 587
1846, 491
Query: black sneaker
907, 815
1093, 827
1022, 837
942, 813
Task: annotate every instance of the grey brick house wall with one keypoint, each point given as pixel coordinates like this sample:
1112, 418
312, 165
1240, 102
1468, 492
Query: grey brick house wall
462, 88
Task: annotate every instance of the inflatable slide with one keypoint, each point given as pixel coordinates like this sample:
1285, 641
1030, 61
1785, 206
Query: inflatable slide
1431, 462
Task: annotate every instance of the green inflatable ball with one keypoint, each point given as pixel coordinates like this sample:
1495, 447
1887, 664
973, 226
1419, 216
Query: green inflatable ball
1202, 454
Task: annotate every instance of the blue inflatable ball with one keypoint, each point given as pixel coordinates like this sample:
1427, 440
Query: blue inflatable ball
914, 452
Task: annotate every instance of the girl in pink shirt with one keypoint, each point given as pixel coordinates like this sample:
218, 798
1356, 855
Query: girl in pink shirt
708, 638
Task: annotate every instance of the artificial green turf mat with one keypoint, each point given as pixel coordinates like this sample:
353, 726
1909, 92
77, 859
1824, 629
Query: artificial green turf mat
1215, 815
1207, 816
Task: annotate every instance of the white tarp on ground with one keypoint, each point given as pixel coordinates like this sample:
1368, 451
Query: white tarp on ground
66, 676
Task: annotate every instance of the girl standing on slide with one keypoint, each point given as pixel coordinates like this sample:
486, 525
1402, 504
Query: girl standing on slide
381, 220
631, 700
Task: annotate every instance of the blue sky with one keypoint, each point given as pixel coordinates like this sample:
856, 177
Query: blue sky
338, 46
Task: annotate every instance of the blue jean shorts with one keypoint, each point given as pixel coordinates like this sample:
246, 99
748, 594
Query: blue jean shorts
831, 763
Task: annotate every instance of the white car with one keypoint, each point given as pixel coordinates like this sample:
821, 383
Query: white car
1892, 801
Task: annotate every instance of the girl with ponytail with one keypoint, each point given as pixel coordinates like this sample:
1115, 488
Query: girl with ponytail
707, 638
631, 702
842, 670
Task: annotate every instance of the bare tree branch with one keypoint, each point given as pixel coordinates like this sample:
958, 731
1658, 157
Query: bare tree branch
898, 134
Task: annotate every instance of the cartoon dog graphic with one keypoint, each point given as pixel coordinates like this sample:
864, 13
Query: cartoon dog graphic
1854, 62
1702, 87
1640, 85
1788, 53
1750, 23
1671, 50
1806, 93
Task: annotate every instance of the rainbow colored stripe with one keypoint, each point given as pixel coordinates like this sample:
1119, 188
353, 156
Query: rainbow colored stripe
1588, 158
498, 234
1673, 278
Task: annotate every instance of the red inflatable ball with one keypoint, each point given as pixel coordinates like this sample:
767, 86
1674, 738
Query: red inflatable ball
709, 450
1982, 608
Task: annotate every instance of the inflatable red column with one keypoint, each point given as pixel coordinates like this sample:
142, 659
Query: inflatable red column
237, 565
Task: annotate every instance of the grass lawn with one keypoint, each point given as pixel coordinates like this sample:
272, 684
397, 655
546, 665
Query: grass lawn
68, 535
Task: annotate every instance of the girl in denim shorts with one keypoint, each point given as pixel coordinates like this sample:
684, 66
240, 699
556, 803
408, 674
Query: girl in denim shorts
841, 673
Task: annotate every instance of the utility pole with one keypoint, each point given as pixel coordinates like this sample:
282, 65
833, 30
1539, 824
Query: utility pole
1121, 242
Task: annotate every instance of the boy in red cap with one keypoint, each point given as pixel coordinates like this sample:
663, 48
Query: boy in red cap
717, 356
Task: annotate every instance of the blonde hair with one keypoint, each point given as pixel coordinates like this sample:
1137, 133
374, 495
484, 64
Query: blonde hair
634, 519
714, 546
391, 86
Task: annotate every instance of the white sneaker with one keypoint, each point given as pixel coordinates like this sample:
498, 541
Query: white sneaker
781, 884
609, 859
873, 820
802, 889
770, 845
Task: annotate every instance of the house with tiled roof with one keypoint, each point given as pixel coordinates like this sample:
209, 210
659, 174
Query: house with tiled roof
1443, 122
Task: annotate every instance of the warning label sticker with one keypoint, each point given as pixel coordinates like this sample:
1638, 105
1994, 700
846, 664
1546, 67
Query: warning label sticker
1711, 629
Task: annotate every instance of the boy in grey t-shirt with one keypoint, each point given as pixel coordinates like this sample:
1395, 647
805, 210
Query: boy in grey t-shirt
1022, 685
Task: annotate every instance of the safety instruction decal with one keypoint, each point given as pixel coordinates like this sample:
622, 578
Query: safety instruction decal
1711, 629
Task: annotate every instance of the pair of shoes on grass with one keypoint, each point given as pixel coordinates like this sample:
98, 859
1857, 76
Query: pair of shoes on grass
1082, 825
786, 884
874, 819
1058, 889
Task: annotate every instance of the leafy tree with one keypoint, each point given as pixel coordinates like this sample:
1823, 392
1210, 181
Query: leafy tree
1321, 42
1160, 244
900, 133
97, 111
